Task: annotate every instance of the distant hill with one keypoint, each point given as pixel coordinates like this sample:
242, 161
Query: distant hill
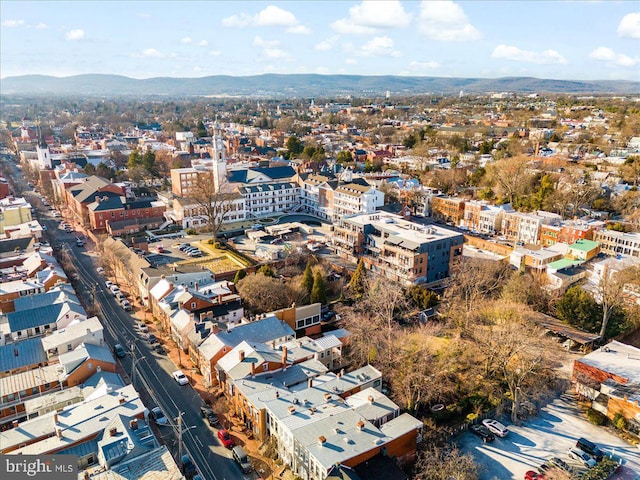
297, 85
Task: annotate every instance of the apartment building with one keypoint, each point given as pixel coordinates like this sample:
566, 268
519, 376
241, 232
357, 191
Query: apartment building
184, 181
618, 243
447, 209
13, 211
397, 248
525, 228
482, 217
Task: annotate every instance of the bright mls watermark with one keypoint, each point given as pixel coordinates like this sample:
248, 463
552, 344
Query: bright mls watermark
45, 467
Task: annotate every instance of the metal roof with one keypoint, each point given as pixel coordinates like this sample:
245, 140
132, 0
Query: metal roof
22, 354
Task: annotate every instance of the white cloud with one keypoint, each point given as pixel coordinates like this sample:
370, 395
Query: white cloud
379, 47
12, 23
262, 43
446, 21
328, 44
605, 54
275, 54
74, 35
423, 66
203, 43
629, 26
371, 16
186, 40
508, 52
215, 53
270, 16
41, 26
151, 52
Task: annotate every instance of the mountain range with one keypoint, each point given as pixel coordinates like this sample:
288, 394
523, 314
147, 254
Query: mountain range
298, 85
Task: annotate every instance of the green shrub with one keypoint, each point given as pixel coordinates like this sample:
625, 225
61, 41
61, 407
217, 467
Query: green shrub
601, 471
596, 417
619, 421
190, 231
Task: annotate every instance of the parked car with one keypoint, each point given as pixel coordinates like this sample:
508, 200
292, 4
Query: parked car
495, 427
120, 297
142, 327
590, 448
241, 457
582, 457
160, 349
196, 253
151, 338
180, 377
561, 464
188, 467
158, 416
108, 284
100, 271
226, 439
126, 305
114, 289
209, 415
119, 350
533, 475
184, 246
79, 242
483, 432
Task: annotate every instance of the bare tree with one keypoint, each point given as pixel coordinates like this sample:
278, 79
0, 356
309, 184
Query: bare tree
610, 292
510, 177
214, 203
445, 463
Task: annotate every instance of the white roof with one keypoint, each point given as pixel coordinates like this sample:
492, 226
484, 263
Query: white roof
617, 358
90, 326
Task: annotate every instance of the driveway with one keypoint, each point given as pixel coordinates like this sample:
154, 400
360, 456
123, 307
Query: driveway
551, 433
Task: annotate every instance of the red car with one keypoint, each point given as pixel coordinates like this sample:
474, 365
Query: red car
226, 439
531, 475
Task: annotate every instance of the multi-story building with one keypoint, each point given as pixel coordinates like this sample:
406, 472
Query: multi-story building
447, 209
568, 231
397, 248
481, 217
184, 181
618, 243
525, 227
105, 212
13, 211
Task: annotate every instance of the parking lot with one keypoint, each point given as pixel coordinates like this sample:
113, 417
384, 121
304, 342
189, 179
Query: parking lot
549, 434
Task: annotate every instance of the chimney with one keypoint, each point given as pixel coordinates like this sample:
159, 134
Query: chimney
195, 286
327, 397
59, 432
113, 432
273, 345
86, 475
55, 418
310, 383
133, 424
360, 425
241, 355
321, 440
370, 399
253, 368
292, 409
284, 355
121, 400
15, 423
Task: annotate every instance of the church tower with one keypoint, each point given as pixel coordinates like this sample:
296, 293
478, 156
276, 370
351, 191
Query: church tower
219, 159
42, 150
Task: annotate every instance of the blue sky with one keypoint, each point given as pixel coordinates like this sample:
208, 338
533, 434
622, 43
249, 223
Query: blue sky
581, 40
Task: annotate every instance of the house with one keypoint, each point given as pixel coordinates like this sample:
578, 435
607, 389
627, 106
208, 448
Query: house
89, 331
22, 356
583, 250
269, 330
447, 209
73, 426
305, 319
85, 360
526, 228
610, 377
81, 195
13, 211
41, 320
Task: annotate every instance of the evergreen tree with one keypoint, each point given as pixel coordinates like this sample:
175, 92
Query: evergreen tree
319, 291
135, 160
240, 274
307, 278
267, 271
356, 284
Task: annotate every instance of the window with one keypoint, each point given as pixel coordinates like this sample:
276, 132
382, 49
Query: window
193, 304
265, 367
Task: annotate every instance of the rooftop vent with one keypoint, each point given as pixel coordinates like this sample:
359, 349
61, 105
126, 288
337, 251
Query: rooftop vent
360, 425
321, 440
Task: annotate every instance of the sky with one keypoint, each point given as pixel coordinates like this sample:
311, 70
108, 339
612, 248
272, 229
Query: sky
563, 39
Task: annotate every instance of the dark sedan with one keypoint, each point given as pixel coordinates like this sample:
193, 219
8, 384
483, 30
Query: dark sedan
483, 432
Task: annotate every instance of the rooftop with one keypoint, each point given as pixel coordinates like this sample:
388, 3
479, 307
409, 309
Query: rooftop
617, 358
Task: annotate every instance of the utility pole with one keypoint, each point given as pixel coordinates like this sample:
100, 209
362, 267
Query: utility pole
134, 361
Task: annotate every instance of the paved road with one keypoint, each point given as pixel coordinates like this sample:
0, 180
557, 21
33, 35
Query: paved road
153, 371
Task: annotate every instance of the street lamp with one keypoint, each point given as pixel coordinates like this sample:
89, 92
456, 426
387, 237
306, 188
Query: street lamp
134, 361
